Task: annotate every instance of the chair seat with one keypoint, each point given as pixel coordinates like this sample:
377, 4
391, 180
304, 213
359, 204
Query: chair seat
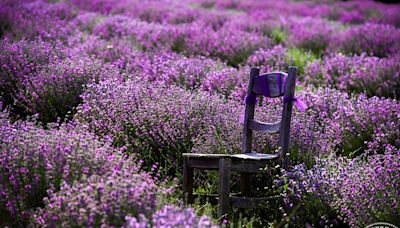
247, 156
197, 155
255, 156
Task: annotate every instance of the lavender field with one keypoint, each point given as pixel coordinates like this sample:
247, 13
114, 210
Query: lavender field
100, 98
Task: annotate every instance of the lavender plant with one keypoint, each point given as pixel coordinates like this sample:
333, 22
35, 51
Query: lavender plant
34, 160
189, 73
311, 33
358, 73
379, 40
123, 198
19, 61
369, 11
271, 59
33, 19
149, 36
40, 77
172, 216
157, 123
227, 43
101, 200
358, 192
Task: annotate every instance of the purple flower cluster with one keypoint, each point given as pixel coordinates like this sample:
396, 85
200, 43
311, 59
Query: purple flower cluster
197, 38
273, 59
357, 12
370, 190
30, 19
359, 123
44, 78
84, 179
171, 68
311, 33
358, 73
379, 40
170, 216
101, 200
145, 117
362, 190
148, 35
227, 43
34, 160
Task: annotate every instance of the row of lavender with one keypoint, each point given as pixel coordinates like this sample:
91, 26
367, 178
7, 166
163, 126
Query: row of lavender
125, 110
231, 37
52, 53
74, 178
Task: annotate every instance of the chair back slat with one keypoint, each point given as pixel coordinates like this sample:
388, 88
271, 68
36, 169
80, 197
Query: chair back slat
271, 128
275, 86
284, 136
247, 134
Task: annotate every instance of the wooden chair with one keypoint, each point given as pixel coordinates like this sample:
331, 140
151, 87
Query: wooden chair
273, 85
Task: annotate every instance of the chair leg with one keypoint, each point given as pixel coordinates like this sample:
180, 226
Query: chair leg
224, 187
187, 183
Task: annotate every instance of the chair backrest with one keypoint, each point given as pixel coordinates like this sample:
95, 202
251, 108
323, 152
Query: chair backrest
276, 84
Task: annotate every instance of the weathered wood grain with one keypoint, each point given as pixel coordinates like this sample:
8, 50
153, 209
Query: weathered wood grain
224, 187
271, 128
187, 183
247, 134
284, 136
